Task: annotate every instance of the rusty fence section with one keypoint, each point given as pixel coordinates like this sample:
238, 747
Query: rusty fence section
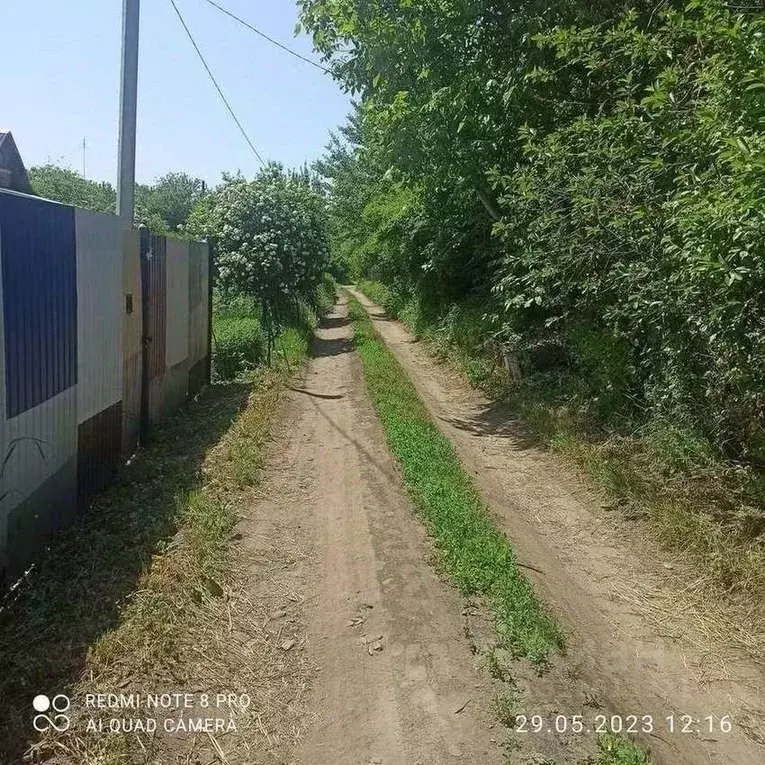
102, 334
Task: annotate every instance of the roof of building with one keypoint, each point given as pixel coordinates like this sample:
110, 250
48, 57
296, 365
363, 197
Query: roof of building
16, 177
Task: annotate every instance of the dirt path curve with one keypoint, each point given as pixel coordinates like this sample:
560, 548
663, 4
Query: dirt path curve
629, 635
394, 668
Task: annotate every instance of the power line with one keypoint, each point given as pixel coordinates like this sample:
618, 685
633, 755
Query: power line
217, 87
266, 37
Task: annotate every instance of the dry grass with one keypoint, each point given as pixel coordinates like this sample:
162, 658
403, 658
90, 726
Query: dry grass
706, 512
139, 595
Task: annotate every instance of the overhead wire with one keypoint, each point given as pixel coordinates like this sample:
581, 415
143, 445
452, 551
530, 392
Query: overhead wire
217, 86
266, 37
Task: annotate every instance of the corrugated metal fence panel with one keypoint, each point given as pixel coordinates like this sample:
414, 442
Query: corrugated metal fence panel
99, 342
41, 475
4, 491
197, 259
100, 332
39, 418
177, 302
40, 306
198, 316
175, 387
154, 338
197, 329
99, 312
154, 291
132, 326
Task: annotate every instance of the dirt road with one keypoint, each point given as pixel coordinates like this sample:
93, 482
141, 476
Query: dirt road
630, 638
380, 638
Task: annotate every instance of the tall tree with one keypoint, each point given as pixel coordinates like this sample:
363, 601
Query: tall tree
167, 202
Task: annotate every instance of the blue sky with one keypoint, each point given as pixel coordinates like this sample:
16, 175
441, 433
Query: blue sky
60, 83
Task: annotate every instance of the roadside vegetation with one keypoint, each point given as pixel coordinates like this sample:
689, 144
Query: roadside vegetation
271, 250
163, 206
472, 551
153, 552
617, 750
477, 556
697, 503
567, 198
239, 343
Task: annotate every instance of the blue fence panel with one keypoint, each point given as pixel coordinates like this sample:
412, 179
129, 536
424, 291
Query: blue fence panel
39, 271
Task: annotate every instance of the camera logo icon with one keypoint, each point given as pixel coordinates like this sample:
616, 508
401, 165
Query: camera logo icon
56, 720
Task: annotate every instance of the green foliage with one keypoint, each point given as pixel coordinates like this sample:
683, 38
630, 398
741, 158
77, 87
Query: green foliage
69, 187
234, 307
474, 553
591, 175
616, 750
165, 205
238, 346
707, 508
638, 218
326, 294
270, 242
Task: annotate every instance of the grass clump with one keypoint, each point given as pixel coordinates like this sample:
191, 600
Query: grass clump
475, 554
505, 705
617, 750
326, 293
239, 346
239, 342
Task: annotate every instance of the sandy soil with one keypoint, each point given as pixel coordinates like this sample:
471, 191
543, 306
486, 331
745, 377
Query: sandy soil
395, 670
633, 645
359, 648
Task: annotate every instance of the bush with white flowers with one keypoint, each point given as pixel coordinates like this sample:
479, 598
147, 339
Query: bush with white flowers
270, 242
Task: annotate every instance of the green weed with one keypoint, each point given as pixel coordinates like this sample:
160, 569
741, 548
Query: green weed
616, 750
505, 709
238, 346
475, 554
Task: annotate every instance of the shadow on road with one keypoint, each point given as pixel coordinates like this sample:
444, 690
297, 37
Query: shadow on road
498, 419
323, 347
333, 322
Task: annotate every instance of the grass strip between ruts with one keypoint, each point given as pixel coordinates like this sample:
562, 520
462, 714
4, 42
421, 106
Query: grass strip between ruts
476, 555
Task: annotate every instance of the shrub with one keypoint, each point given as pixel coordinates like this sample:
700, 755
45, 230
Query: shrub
326, 294
270, 242
238, 346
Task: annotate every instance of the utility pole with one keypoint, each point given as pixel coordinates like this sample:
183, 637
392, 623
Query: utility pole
128, 105
83, 157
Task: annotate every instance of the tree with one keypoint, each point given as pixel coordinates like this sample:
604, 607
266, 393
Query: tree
166, 204
590, 174
270, 241
163, 206
63, 185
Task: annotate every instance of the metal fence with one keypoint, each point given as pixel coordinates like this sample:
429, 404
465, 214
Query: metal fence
102, 334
